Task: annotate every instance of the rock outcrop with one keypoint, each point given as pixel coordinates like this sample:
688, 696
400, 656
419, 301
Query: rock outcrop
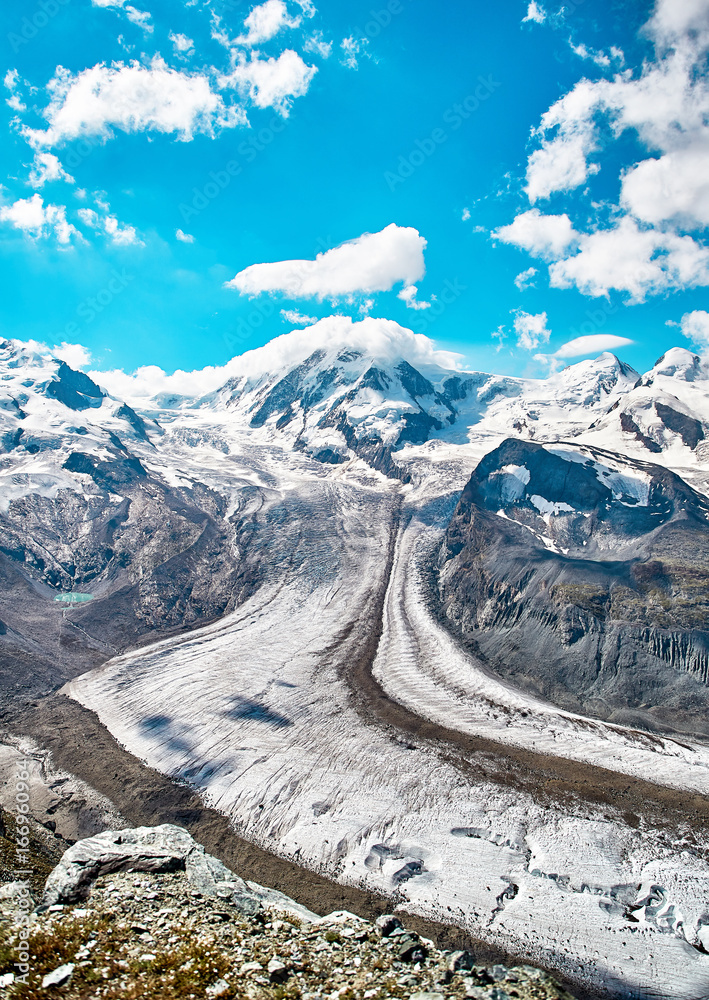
584, 577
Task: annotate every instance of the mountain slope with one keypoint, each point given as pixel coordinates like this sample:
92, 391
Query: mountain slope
584, 577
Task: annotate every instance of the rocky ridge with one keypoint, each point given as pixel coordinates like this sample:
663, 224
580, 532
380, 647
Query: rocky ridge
157, 917
593, 569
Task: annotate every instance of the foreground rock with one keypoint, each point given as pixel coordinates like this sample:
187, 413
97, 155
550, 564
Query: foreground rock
176, 927
156, 849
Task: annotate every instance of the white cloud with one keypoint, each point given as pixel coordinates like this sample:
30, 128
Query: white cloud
531, 329
10, 82
75, 355
352, 49
628, 259
120, 235
265, 21
46, 167
408, 295
535, 13
271, 82
297, 318
664, 103
466, 215
139, 17
35, 219
583, 52
383, 339
547, 236
374, 262
524, 278
674, 187
181, 43
695, 326
595, 343
561, 162
132, 98
184, 237
317, 44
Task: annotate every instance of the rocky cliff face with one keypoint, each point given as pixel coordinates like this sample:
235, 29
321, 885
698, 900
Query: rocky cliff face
584, 577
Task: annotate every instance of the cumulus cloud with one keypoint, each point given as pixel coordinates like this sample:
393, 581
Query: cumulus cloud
531, 329
674, 187
184, 237
524, 278
352, 50
374, 262
46, 167
466, 215
666, 104
122, 236
273, 82
535, 13
695, 327
547, 236
37, 220
265, 21
132, 98
317, 44
75, 355
655, 241
408, 295
297, 318
629, 259
595, 343
182, 44
382, 339
139, 17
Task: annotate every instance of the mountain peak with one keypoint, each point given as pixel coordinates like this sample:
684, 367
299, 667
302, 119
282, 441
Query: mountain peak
680, 363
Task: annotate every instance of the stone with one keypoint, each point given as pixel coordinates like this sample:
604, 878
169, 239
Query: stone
459, 960
387, 924
277, 971
426, 996
410, 949
61, 975
218, 989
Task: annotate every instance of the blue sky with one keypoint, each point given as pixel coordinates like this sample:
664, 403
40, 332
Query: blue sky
553, 160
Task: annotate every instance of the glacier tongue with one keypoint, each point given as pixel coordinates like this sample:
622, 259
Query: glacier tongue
266, 712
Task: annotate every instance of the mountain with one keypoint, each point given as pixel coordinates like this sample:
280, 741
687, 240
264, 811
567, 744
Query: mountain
665, 413
583, 577
149, 505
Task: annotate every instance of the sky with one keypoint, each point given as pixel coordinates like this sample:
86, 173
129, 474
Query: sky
525, 183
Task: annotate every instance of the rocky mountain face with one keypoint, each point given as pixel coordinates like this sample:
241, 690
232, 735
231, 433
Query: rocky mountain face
583, 576
80, 511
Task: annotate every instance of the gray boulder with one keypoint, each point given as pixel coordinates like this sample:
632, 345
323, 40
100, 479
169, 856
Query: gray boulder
163, 848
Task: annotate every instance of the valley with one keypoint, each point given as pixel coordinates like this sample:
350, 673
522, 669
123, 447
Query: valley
284, 621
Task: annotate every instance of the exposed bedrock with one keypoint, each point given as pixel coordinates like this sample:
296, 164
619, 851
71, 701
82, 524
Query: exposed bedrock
584, 578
